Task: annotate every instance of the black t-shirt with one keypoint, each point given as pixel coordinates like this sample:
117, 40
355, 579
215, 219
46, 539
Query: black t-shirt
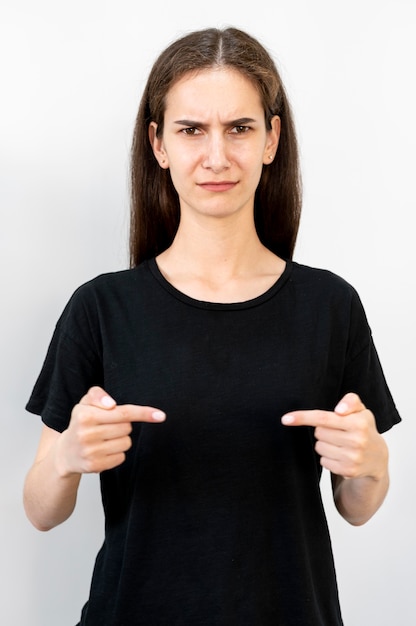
216, 517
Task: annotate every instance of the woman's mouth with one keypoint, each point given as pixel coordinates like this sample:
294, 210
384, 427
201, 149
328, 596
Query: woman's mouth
223, 185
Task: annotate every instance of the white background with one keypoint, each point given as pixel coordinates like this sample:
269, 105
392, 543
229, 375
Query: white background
71, 78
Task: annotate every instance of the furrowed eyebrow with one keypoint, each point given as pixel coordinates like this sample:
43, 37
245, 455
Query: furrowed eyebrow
242, 121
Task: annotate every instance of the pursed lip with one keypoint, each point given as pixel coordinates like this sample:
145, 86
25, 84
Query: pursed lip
221, 185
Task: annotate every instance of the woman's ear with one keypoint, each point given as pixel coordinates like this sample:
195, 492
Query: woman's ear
157, 146
273, 136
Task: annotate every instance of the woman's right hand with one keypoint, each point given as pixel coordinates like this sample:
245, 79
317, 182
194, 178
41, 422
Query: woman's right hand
98, 435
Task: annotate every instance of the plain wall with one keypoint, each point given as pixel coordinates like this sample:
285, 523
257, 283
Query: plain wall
71, 79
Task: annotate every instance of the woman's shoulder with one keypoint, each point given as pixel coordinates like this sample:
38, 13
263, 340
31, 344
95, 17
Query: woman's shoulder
112, 282
319, 277
324, 286
107, 292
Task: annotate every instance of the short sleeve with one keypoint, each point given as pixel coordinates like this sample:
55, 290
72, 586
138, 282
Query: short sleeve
363, 371
72, 365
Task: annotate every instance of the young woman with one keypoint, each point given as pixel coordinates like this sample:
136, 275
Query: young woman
211, 382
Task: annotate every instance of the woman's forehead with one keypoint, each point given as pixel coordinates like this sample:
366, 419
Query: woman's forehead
219, 85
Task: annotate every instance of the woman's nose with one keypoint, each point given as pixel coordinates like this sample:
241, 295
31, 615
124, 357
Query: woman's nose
216, 155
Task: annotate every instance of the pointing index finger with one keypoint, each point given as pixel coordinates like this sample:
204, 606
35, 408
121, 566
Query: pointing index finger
313, 418
138, 413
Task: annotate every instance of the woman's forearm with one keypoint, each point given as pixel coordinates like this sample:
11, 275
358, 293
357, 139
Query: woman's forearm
357, 499
49, 495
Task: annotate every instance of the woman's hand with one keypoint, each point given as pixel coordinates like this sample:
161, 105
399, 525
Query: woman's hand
351, 448
98, 435
97, 439
346, 438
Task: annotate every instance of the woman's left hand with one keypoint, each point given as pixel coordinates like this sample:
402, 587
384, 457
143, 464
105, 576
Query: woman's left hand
347, 439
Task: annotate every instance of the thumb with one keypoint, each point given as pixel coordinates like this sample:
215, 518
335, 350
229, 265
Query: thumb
96, 396
350, 403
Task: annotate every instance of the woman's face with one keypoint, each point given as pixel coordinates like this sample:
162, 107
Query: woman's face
215, 141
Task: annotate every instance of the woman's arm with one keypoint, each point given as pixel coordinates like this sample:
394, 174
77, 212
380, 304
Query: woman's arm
97, 438
357, 499
49, 496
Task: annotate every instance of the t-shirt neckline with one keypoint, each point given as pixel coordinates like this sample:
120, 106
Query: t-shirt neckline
246, 304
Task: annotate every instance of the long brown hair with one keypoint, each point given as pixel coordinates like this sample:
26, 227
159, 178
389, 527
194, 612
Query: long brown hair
155, 209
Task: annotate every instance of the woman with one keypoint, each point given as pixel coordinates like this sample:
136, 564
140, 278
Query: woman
258, 371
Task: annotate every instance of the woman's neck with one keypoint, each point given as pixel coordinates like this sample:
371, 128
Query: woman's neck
219, 263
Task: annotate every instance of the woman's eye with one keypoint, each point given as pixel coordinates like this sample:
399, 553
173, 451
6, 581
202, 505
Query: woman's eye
190, 131
239, 130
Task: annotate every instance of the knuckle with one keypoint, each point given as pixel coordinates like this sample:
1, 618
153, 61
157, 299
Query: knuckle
355, 459
94, 390
122, 412
83, 419
361, 442
118, 460
360, 436
324, 463
318, 447
127, 428
82, 439
82, 415
324, 419
360, 425
88, 396
87, 452
90, 465
353, 464
93, 397
352, 396
123, 444
370, 417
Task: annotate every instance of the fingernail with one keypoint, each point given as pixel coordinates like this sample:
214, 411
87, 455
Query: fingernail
107, 402
341, 408
159, 416
288, 419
